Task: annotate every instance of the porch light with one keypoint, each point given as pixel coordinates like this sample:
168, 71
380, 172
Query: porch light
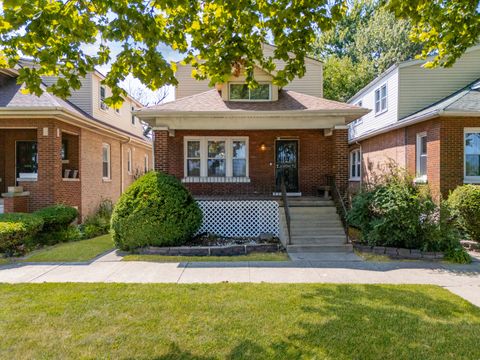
263, 147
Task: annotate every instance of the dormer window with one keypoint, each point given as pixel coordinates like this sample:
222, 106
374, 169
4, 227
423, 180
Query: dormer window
241, 92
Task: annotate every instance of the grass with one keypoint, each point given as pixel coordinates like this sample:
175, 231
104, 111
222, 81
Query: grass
236, 321
82, 250
250, 257
373, 257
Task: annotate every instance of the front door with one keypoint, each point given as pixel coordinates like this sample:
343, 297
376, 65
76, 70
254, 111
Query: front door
286, 164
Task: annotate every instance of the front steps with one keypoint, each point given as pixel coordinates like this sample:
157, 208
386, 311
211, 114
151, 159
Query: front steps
315, 227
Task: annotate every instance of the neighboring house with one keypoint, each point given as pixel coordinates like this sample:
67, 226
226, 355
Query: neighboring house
230, 141
424, 120
75, 152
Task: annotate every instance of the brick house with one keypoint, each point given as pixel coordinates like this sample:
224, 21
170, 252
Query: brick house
232, 141
424, 120
74, 152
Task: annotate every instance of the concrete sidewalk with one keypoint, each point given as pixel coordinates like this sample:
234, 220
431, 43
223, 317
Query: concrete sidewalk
463, 280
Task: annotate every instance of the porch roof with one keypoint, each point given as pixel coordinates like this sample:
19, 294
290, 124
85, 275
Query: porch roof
308, 111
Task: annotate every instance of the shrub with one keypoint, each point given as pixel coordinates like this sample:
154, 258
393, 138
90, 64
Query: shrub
57, 225
465, 204
98, 223
17, 230
156, 210
394, 212
57, 217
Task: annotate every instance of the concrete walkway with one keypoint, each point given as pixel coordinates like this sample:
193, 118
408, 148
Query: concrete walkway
463, 280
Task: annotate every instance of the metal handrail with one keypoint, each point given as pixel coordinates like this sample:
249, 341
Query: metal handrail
286, 209
340, 205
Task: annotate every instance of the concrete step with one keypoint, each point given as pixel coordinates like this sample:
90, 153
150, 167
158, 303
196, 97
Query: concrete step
315, 233
318, 238
329, 221
313, 210
310, 203
319, 248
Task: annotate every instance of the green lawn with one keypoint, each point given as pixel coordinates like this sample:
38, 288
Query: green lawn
249, 257
235, 321
82, 250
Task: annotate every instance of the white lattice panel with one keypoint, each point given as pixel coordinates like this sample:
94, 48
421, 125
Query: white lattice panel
239, 218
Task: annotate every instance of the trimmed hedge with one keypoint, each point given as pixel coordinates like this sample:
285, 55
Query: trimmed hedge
16, 231
465, 204
57, 225
57, 217
156, 210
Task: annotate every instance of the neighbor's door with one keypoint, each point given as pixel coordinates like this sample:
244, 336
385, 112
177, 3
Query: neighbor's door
286, 164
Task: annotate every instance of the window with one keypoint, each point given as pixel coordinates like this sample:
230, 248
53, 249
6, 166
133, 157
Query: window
117, 110
26, 159
216, 157
106, 161
242, 92
421, 155
133, 116
129, 161
355, 164
145, 163
472, 155
64, 150
103, 95
381, 99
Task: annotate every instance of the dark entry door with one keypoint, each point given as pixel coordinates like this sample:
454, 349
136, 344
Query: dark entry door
286, 164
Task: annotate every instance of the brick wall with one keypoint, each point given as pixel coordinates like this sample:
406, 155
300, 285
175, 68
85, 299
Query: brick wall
445, 157
319, 156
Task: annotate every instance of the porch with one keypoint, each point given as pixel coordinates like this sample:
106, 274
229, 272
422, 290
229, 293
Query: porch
42, 160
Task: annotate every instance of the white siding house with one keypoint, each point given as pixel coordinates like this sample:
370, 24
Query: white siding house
410, 88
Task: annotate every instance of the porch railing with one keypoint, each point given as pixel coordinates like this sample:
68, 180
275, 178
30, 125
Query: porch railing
340, 203
286, 209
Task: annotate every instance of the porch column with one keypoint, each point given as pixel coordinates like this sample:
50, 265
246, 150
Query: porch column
49, 145
160, 149
340, 158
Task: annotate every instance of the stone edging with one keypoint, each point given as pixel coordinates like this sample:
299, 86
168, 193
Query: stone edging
399, 253
230, 250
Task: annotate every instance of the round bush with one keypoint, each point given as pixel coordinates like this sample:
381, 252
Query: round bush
465, 204
156, 210
57, 217
17, 230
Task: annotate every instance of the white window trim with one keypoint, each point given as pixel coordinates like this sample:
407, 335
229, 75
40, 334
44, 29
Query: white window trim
358, 160
129, 161
250, 100
107, 146
379, 89
204, 156
418, 145
101, 103
468, 179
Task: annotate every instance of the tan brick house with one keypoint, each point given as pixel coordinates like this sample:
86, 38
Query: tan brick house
424, 120
74, 152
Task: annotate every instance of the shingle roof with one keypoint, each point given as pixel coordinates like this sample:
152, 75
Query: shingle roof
465, 100
211, 101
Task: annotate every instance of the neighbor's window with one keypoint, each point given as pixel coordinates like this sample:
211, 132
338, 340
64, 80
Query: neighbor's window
216, 157
355, 164
26, 159
129, 161
421, 154
133, 116
106, 161
381, 99
103, 95
472, 155
242, 92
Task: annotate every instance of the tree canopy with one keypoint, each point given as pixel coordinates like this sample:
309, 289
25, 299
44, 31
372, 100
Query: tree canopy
365, 43
214, 36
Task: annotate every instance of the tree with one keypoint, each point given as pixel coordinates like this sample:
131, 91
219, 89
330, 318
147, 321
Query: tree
361, 46
446, 28
222, 34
